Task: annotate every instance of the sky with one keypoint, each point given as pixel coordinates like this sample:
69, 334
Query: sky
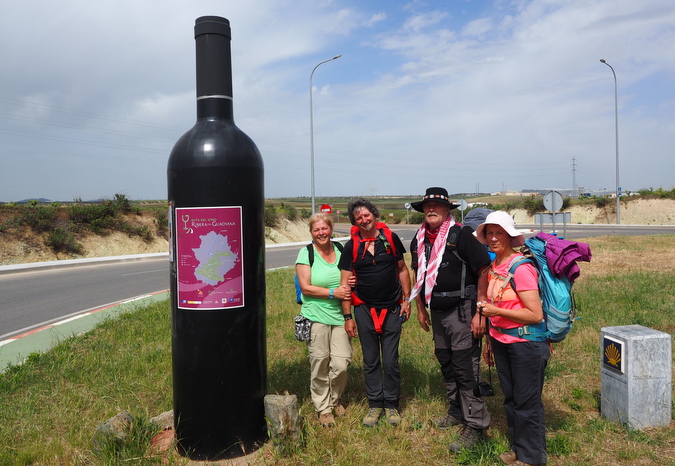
474, 96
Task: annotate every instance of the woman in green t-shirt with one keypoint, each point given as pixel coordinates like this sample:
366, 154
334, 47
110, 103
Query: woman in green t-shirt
330, 350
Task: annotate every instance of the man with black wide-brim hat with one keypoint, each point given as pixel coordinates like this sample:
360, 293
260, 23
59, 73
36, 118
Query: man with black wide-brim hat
449, 263
439, 195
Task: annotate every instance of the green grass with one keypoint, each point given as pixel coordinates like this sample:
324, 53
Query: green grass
51, 405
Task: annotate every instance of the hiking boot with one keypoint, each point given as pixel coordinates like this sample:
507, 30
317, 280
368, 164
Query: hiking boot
508, 457
326, 420
339, 410
372, 417
467, 439
520, 463
392, 415
446, 421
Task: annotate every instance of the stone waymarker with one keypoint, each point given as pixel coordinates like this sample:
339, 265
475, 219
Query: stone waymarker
636, 376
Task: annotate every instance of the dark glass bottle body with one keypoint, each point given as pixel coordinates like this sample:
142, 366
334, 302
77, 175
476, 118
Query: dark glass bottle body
219, 356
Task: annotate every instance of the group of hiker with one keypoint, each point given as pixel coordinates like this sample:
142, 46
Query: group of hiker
365, 290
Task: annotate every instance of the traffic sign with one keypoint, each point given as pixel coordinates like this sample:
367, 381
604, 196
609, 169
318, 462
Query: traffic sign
553, 201
326, 209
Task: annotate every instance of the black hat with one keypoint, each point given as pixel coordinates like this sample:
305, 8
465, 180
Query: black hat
439, 195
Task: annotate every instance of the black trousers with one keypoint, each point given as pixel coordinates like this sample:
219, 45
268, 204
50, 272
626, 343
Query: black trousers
520, 367
380, 356
458, 353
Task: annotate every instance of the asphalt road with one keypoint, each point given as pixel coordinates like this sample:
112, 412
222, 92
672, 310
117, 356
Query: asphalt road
39, 296
34, 298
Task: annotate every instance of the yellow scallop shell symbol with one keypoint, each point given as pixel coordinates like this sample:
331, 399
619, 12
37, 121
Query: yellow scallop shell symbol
613, 355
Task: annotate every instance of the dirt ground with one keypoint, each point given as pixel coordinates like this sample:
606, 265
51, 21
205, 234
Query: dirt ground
635, 212
20, 247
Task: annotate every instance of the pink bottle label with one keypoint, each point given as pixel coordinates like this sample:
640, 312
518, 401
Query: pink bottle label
209, 259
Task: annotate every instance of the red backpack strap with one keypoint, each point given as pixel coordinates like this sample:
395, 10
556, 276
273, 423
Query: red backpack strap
384, 229
354, 233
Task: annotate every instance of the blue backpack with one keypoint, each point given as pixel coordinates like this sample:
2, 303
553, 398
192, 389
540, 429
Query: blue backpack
557, 300
310, 255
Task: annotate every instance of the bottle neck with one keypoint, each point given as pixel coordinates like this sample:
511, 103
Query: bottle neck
214, 68
215, 107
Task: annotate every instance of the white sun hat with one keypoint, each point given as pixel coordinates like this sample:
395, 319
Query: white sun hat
505, 221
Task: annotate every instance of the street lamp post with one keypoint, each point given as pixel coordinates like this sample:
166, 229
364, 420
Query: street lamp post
616, 129
311, 125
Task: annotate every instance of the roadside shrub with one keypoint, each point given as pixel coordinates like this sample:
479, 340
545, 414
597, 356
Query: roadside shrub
91, 213
144, 233
39, 218
416, 218
162, 223
601, 202
289, 211
271, 216
63, 241
533, 205
122, 203
101, 226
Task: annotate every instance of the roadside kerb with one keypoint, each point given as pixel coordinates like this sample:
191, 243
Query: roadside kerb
14, 268
16, 349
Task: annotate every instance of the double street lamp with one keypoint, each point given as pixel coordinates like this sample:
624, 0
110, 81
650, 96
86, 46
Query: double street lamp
311, 125
616, 129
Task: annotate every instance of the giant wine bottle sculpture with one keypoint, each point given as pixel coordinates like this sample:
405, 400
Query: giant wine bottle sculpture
217, 262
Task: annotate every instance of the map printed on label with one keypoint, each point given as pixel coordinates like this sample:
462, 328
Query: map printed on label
209, 257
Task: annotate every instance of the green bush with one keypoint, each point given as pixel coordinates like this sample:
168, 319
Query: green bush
144, 233
122, 203
271, 216
533, 205
416, 218
39, 218
289, 211
162, 223
101, 226
63, 241
91, 213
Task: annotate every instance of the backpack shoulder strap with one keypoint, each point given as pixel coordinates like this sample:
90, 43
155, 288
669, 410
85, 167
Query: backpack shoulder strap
387, 238
310, 251
451, 245
354, 233
517, 261
310, 254
508, 279
453, 235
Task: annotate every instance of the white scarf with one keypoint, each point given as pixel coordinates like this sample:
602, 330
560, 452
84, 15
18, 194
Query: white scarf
427, 273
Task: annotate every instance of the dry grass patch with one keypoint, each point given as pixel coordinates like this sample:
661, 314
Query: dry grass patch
624, 254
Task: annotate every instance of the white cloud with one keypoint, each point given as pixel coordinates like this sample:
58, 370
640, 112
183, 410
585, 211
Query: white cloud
376, 18
501, 95
422, 21
477, 27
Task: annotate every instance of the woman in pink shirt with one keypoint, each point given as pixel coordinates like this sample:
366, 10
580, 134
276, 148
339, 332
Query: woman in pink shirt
517, 339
